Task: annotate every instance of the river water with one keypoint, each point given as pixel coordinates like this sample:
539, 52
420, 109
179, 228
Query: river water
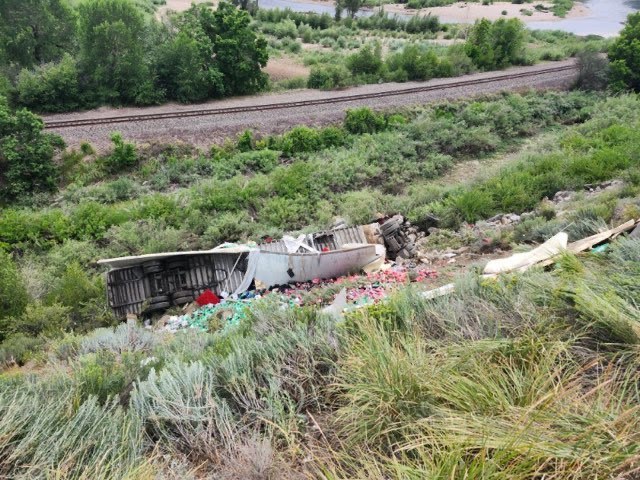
606, 16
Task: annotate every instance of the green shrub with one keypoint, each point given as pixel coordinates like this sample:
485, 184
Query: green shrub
92, 220
246, 163
101, 375
229, 227
624, 56
145, 236
26, 154
327, 77
159, 207
51, 87
75, 287
332, 137
42, 320
418, 63
363, 120
299, 140
13, 293
367, 61
122, 157
245, 142
19, 349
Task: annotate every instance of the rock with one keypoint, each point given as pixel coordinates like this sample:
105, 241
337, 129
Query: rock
495, 218
562, 195
636, 232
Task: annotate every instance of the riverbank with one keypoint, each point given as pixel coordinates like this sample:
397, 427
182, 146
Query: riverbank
469, 12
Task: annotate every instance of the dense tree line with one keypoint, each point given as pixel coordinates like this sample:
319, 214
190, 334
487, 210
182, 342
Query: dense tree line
58, 58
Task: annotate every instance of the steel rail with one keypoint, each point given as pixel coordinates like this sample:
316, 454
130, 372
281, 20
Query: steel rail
55, 124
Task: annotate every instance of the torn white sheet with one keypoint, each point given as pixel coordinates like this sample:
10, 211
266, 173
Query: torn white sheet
252, 265
522, 261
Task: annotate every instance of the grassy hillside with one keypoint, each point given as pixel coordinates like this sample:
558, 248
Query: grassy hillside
529, 376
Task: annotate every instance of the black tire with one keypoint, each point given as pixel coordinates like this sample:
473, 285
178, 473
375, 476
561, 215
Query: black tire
176, 264
159, 299
390, 226
154, 307
183, 300
392, 244
182, 293
154, 266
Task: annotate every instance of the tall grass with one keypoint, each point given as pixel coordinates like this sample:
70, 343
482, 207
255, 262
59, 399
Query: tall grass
551, 394
44, 434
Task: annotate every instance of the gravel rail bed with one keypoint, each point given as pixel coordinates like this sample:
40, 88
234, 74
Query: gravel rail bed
204, 131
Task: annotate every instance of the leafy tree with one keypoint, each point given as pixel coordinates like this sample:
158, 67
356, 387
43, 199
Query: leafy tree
112, 50
367, 61
186, 70
508, 41
351, 6
624, 55
52, 87
495, 45
26, 154
479, 45
236, 51
594, 70
35, 31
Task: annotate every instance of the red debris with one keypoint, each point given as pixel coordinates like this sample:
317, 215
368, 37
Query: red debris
207, 298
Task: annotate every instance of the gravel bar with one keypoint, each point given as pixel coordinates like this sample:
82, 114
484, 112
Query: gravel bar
204, 131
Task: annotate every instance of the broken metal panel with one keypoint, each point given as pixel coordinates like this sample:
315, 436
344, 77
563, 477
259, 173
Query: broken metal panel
343, 236
332, 239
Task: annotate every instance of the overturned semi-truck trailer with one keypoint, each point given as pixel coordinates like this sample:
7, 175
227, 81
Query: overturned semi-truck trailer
155, 282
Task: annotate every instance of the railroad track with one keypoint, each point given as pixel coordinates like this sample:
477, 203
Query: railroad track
57, 124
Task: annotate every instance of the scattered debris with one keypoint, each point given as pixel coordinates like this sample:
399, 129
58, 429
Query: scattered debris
339, 295
503, 219
590, 188
545, 254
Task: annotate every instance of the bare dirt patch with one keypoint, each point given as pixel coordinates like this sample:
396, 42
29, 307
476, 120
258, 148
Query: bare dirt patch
285, 68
